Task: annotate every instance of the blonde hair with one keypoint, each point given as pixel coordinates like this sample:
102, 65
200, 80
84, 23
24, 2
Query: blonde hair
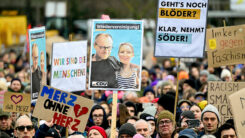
128, 44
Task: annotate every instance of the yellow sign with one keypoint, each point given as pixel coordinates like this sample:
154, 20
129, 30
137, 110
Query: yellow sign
212, 43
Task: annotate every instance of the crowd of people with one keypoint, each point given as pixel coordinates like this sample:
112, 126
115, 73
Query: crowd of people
148, 113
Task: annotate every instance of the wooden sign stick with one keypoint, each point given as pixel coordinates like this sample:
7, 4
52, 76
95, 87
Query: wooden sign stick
114, 115
177, 88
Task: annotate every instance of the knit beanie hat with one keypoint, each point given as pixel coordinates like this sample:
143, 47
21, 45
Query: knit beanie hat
211, 108
166, 115
189, 133
147, 117
100, 129
167, 102
203, 104
225, 73
127, 128
204, 72
148, 89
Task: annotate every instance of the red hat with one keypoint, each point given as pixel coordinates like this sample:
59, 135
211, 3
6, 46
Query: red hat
100, 129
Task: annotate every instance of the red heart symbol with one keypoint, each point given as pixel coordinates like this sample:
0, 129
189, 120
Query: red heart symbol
16, 99
76, 109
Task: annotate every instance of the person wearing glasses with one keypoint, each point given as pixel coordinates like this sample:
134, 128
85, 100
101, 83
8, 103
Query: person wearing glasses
98, 117
127, 77
103, 66
165, 124
36, 72
24, 127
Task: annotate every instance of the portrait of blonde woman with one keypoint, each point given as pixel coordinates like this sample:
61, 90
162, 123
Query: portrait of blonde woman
127, 76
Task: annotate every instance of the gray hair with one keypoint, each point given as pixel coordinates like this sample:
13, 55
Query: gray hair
128, 93
142, 121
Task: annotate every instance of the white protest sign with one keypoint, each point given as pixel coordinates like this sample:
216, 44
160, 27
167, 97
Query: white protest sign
181, 28
69, 63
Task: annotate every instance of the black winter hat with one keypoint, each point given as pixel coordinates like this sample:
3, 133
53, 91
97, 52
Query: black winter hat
167, 102
127, 128
147, 117
52, 133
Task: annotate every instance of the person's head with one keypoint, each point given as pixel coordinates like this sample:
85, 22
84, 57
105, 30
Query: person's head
143, 128
144, 76
127, 130
149, 93
165, 123
130, 96
150, 119
210, 118
42, 61
132, 119
226, 75
188, 84
199, 96
125, 53
204, 76
106, 107
34, 56
196, 110
131, 108
24, 127
16, 84
103, 45
4, 117
98, 115
184, 105
165, 102
187, 133
96, 132
163, 87
226, 131
186, 115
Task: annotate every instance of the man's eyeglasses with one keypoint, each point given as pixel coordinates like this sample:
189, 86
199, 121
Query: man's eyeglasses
22, 128
104, 47
167, 122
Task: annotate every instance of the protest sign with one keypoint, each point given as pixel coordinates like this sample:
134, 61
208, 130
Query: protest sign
63, 107
69, 61
225, 45
116, 54
237, 101
218, 93
37, 43
181, 28
17, 102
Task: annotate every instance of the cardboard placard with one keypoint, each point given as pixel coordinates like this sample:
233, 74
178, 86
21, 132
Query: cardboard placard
69, 62
225, 45
116, 54
238, 109
181, 28
17, 102
37, 43
218, 93
64, 107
